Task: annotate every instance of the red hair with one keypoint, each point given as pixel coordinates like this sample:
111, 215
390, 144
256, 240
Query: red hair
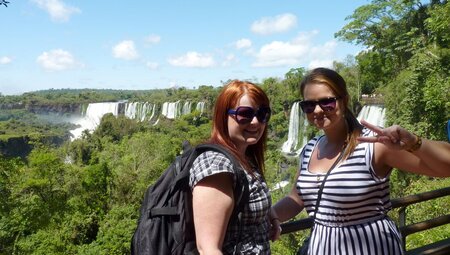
228, 99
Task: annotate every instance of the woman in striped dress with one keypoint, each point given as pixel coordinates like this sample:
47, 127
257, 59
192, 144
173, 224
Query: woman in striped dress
352, 213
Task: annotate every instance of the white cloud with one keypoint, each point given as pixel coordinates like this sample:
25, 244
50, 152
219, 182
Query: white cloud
152, 65
229, 60
299, 51
153, 39
325, 50
323, 55
125, 50
5, 60
243, 43
305, 37
280, 54
57, 9
277, 24
320, 63
57, 60
192, 59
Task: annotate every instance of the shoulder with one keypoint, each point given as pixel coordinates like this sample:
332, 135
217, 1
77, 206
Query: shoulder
207, 164
212, 158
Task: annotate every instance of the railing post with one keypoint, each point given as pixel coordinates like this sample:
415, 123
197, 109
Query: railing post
402, 223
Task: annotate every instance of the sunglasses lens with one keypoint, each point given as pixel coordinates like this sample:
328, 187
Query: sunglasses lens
263, 115
308, 106
244, 115
328, 104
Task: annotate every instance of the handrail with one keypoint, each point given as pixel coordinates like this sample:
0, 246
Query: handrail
401, 203
421, 197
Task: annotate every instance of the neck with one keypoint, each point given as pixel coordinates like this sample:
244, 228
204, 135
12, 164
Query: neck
337, 137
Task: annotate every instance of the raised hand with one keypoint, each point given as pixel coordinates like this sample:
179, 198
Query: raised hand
395, 137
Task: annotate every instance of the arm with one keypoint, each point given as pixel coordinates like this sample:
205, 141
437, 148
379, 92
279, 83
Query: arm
289, 206
212, 202
432, 158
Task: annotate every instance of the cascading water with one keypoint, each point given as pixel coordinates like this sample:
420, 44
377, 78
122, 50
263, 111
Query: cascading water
186, 108
200, 107
171, 109
141, 111
138, 110
374, 114
296, 134
92, 117
153, 112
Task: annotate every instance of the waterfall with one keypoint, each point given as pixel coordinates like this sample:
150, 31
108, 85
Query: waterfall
200, 107
171, 109
374, 114
153, 112
186, 108
139, 110
92, 117
297, 127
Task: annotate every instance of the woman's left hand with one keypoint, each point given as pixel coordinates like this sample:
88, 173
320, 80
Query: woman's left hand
394, 137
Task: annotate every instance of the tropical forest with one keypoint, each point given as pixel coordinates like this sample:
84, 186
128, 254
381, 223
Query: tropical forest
62, 194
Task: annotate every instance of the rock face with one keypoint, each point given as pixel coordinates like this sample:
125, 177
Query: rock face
39, 108
15, 147
55, 108
22, 146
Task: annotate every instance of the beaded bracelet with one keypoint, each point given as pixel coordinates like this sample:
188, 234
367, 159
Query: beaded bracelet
416, 145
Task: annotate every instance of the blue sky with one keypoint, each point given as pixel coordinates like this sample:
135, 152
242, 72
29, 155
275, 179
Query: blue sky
160, 44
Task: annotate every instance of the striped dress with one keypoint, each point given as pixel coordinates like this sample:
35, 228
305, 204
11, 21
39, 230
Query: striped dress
351, 218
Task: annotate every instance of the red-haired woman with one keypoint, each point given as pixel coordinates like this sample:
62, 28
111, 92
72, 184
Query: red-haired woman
241, 113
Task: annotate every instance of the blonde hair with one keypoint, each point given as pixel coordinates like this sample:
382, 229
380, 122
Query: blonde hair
338, 85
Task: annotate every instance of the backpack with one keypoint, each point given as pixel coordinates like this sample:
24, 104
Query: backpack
166, 224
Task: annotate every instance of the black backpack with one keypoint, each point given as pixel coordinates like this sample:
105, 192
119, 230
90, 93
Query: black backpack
166, 225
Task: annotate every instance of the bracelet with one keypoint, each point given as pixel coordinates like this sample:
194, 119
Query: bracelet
416, 145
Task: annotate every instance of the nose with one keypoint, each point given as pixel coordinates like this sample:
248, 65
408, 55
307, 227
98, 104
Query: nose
255, 120
317, 109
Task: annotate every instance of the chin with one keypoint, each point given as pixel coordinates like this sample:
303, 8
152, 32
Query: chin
251, 141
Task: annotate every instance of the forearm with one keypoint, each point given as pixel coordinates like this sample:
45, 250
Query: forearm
287, 208
436, 155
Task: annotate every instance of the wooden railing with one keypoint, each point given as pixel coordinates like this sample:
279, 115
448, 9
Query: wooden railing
437, 248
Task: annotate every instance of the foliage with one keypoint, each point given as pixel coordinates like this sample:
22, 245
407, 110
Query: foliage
84, 196
4, 2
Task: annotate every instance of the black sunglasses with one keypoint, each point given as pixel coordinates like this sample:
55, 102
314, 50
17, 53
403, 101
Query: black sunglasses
327, 104
245, 114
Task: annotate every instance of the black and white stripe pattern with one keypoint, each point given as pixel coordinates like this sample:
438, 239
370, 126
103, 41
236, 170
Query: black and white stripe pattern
351, 218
